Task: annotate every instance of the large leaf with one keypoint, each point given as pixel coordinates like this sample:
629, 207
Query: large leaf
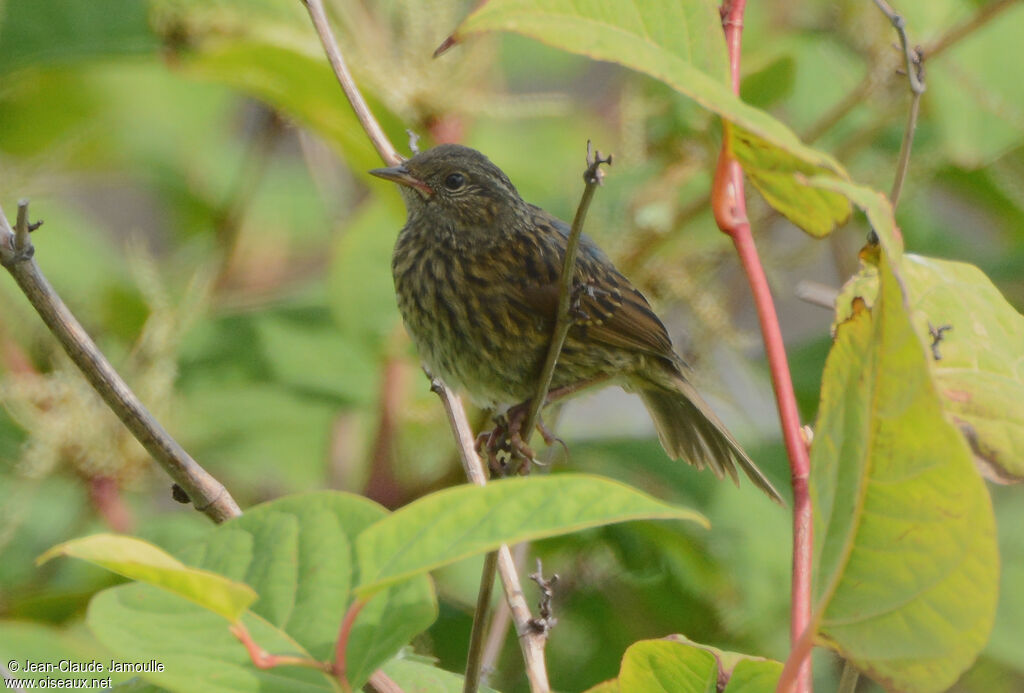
422, 677
139, 623
289, 72
681, 44
360, 288
296, 553
679, 665
24, 641
67, 30
980, 369
877, 208
459, 522
907, 568
140, 560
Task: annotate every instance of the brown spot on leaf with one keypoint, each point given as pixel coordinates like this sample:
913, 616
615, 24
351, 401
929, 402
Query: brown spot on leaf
986, 458
958, 395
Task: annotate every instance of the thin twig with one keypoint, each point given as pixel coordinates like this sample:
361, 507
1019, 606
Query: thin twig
546, 620
206, 493
531, 644
382, 683
477, 635
873, 80
848, 680
730, 210
373, 129
498, 629
532, 649
817, 294
915, 76
592, 177
984, 15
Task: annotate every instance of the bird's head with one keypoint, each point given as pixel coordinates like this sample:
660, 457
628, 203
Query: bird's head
457, 188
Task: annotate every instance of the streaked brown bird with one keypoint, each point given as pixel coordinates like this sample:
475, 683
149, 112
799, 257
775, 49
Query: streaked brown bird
476, 272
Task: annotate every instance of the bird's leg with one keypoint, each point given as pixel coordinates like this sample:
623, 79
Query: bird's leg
496, 446
567, 390
518, 413
516, 416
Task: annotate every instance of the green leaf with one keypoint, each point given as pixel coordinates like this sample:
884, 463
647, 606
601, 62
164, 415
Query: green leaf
423, 677
22, 641
140, 560
980, 374
141, 624
296, 552
774, 172
452, 524
682, 45
877, 207
360, 288
663, 666
679, 665
906, 576
287, 70
67, 30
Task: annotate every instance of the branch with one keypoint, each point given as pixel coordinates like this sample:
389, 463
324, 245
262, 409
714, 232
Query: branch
592, 178
729, 206
16, 254
985, 15
380, 141
531, 643
915, 75
873, 80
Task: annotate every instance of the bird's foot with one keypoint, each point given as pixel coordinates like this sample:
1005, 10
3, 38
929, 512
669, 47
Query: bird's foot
494, 445
516, 416
550, 438
503, 446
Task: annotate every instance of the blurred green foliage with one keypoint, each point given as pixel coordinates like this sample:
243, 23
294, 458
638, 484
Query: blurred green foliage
209, 219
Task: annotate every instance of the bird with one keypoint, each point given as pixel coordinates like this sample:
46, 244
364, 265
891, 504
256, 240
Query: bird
477, 279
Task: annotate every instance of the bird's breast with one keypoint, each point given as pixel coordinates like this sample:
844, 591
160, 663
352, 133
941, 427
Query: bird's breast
465, 320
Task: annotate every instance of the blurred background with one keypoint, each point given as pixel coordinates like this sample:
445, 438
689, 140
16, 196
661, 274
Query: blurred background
208, 217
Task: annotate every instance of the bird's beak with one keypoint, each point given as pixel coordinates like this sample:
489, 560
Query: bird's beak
400, 174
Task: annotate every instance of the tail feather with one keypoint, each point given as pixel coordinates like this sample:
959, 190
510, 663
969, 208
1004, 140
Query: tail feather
690, 430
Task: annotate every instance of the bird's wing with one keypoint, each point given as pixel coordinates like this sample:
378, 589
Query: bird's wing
605, 307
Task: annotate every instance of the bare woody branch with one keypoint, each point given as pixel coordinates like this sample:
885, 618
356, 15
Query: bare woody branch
380, 141
531, 642
914, 66
16, 254
533, 653
592, 178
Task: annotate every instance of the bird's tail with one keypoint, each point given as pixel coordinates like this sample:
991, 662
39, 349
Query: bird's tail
689, 430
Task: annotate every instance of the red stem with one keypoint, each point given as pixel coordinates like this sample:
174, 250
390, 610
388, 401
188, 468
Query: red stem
262, 659
729, 205
339, 668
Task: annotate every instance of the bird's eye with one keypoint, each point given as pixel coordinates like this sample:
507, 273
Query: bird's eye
454, 181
